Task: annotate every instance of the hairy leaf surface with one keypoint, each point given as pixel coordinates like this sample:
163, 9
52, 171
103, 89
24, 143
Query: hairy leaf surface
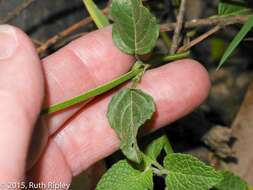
122, 176
231, 182
187, 172
135, 30
128, 110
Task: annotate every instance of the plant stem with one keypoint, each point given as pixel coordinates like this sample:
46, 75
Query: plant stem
179, 26
167, 58
169, 149
94, 92
195, 23
96, 14
66, 32
199, 39
176, 56
16, 11
160, 172
156, 164
210, 21
166, 39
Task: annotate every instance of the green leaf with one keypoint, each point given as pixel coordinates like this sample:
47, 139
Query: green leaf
154, 149
96, 14
135, 30
231, 8
187, 172
236, 41
231, 182
128, 110
122, 176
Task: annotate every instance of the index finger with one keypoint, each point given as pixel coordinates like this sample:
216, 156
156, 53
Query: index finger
82, 65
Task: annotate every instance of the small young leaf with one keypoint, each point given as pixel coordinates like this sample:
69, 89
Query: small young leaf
96, 14
236, 41
187, 172
128, 110
154, 149
231, 182
135, 30
122, 176
233, 8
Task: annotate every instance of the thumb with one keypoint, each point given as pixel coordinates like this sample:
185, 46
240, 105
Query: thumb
21, 95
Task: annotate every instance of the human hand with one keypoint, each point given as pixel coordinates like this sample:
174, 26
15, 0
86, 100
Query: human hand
78, 137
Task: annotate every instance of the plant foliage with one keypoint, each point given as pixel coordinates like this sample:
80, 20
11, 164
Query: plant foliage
129, 109
187, 172
231, 182
135, 30
123, 176
237, 40
232, 8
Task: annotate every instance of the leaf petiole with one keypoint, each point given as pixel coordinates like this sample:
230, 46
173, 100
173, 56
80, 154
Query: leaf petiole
137, 69
137, 78
160, 172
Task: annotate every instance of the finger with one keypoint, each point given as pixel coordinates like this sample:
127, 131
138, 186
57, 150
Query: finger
21, 94
82, 65
178, 88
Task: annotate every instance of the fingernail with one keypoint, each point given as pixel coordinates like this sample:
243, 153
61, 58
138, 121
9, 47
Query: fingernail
8, 41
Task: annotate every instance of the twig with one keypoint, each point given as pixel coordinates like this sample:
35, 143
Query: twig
222, 21
16, 11
50, 42
179, 26
37, 42
199, 39
53, 40
68, 39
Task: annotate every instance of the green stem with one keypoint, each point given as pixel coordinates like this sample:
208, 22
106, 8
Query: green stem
96, 14
159, 166
166, 39
94, 92
175, 56
167, 58
160, 172
169, 149
136, 70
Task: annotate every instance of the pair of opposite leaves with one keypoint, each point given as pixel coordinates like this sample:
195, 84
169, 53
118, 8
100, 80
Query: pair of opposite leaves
135, 32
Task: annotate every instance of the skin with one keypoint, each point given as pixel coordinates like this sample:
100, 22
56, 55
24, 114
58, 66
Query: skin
70, 141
